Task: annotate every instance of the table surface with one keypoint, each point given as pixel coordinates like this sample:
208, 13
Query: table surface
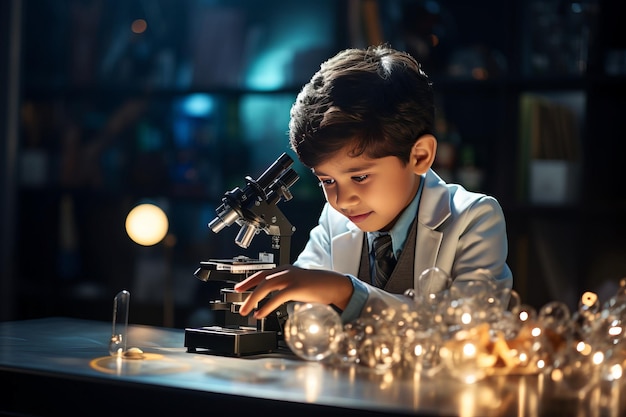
61, 349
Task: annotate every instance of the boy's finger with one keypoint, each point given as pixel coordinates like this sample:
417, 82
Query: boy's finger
270, 305
252, 300
250, 282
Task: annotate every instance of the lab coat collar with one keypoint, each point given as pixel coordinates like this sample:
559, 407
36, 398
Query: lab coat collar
434, 209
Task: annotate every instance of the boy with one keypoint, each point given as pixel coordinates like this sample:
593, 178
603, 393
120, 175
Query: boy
364, 125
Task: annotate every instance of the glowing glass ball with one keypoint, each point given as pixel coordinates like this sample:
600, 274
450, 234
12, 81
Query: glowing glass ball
466, 357
313, 331
146, 224
432, 280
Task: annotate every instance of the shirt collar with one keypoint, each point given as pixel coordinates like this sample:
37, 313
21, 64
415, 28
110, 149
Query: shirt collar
400, 230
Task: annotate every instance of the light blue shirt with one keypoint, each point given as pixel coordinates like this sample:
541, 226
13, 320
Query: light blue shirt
399, 233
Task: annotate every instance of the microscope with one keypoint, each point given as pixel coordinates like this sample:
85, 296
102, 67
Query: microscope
254, 208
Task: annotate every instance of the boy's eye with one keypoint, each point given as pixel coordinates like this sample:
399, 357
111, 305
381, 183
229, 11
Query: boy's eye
324, 183
360, 178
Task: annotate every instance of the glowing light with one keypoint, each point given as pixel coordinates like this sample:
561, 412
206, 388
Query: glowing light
198, 105
264, 73
139, 26
615, 331
314, 329
598, 358
583, 348
419, 350
146, 224
589, 299
536, 331
470, 379
466, 318
615, 372
480, 73
523, 315
469, 349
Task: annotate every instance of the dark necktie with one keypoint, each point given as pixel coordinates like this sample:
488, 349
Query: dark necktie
384, 261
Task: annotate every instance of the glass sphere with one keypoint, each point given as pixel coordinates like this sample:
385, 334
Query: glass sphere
509, 298
421, 353
432, 280
380, 352
576, 370
410, 293
478, 289
466, 357
346, 352
555, 316
313, 331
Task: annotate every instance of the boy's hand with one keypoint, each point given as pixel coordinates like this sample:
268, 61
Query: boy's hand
292, 283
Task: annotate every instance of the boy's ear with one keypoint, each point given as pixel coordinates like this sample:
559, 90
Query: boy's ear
423, 153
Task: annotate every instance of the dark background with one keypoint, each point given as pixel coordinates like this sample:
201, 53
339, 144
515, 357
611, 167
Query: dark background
97, 118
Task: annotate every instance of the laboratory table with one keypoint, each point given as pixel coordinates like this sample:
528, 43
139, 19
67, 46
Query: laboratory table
59, 366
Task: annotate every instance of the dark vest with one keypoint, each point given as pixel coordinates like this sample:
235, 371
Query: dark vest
402, 277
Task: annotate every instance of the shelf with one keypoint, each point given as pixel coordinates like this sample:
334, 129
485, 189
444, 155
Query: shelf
89, 93
153, 154
442, 85
512, 85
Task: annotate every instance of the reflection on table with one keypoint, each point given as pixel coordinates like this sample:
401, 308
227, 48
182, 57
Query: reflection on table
59, 365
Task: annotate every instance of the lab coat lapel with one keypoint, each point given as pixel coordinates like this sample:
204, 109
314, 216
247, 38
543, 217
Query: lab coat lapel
427, 248
433, 211
346, 249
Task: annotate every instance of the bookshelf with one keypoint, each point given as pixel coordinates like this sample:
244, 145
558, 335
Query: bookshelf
170, 102
180, 113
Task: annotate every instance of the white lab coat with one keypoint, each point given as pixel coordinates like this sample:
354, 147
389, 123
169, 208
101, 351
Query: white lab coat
457, 230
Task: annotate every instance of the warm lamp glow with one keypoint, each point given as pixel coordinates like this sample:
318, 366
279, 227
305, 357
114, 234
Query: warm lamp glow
146, 224
139, 26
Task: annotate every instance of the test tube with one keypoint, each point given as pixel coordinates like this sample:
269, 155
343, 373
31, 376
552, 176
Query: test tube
117, 345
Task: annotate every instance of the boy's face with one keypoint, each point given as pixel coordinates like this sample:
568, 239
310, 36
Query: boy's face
370, 192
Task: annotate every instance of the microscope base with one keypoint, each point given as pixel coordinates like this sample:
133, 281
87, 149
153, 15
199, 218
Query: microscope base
230, 341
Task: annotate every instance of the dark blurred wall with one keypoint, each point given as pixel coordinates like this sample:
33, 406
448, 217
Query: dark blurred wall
10, 27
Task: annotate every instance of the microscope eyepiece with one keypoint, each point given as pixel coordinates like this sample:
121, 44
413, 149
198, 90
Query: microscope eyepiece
238, 206
274, 171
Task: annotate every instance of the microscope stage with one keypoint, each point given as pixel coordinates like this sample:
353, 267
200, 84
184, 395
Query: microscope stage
230, 341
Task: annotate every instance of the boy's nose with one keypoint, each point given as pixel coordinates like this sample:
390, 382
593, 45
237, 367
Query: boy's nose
346, 198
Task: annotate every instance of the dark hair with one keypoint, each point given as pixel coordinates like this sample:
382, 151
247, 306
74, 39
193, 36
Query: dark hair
378, 100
